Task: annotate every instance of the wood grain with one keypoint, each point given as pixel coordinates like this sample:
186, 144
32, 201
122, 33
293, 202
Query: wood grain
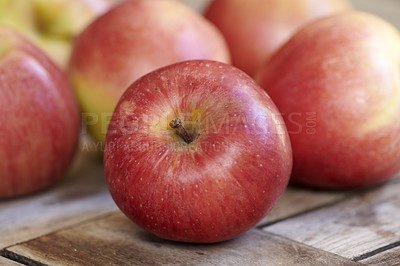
296, 200
81, 195
5, 261
350, 228
385, 258
114, 240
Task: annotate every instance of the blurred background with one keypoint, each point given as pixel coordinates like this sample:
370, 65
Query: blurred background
388, 9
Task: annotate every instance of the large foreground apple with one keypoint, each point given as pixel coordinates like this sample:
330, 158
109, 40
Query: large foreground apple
131, 40
337, 82
254, 29
39, 119
196, 152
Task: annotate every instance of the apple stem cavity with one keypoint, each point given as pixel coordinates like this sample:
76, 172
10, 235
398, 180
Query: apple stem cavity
177, 124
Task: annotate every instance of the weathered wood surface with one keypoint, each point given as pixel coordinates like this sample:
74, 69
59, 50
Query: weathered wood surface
350, 228
7, 262
114, 240
81, 195
389, 257
297, 200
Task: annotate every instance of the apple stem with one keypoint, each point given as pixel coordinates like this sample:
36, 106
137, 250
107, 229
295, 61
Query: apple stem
177, 124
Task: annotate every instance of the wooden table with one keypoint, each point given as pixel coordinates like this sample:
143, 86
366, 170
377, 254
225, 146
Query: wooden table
76, 222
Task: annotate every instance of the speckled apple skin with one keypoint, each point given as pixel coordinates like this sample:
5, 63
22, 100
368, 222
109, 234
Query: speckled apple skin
218, 186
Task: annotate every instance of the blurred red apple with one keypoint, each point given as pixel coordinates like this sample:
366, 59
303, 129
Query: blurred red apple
131, 40
337, 82
254, 29
39, 118
196, 152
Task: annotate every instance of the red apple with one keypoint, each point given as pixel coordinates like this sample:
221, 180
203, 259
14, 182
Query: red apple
39, 119
208, 177
337, 82
254, 29
131, 40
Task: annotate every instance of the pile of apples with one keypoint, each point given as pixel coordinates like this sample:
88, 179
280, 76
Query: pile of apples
205, 117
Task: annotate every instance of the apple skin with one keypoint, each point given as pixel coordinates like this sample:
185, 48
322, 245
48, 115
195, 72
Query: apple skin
131, 40
214, 188
345, 71
60, 21
67, 18
52, 24
255, 29
39, 118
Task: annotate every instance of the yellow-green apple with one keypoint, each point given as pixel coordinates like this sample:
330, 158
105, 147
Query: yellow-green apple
52, 24
196, 152
18, 13
130, 40
337, 82
254, 29
39, 117
68, 17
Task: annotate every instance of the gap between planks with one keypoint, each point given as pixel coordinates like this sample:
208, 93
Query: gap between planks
11, 259
377, 251
115, 240
358, 228
9, 262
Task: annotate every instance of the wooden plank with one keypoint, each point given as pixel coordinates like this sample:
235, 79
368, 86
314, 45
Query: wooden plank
350, 228
81, 195
384, 258
5, 261
115, 240
296, 200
